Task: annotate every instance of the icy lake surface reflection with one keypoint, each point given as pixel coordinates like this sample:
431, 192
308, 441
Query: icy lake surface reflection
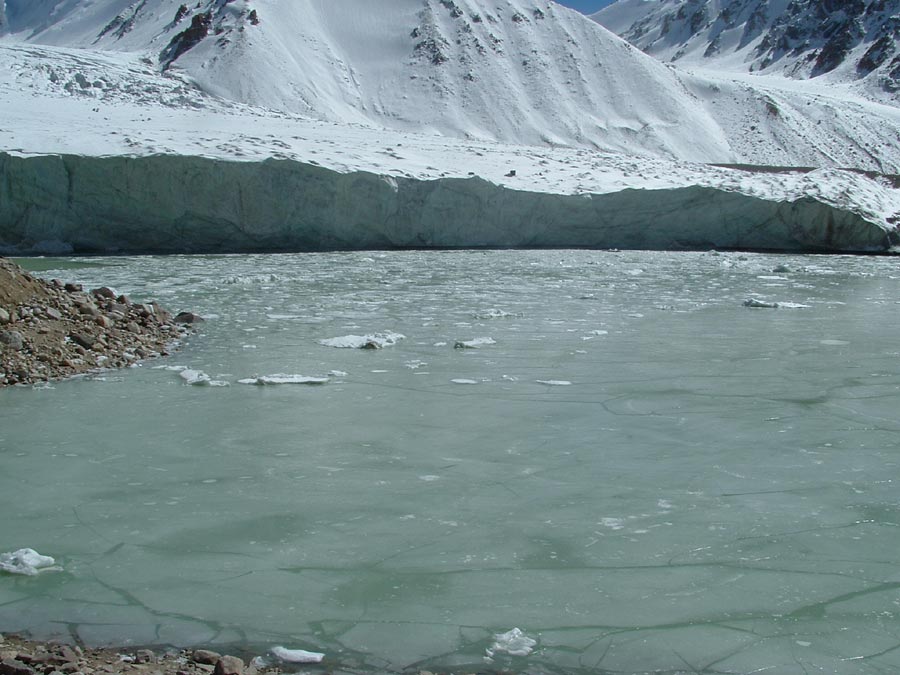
635, 470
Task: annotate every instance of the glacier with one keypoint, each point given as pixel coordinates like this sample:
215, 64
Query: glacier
173, 203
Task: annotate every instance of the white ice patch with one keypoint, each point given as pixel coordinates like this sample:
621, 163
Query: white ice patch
296, 655
198, 378
337, 373
281, 378
373, 341
26, 561
474, 343
415, 365
195, 377
555, 383
513, 642
612, 523
462, 380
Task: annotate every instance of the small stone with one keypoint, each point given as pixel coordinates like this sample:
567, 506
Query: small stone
83, 340
4, 316
103, 292
229, 665
53, 313
144, 655
132, 327
103, 321
74, 288
206, 656
88, 310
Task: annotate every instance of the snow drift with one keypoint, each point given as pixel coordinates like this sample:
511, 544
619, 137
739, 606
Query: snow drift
64, 203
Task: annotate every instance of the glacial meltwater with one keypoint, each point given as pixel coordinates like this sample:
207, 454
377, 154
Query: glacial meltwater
608, 451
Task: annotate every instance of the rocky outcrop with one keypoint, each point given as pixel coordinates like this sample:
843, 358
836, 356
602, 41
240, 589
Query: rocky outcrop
51, 330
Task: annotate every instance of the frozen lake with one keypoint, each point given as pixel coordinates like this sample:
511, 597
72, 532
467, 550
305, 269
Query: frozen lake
629, 465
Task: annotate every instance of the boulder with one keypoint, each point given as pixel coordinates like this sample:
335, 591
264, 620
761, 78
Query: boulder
12, 339
229, 665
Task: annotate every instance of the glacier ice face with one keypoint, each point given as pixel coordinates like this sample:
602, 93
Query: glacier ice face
168, 204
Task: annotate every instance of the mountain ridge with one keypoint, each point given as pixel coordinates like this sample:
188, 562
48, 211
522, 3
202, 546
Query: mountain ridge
838, 41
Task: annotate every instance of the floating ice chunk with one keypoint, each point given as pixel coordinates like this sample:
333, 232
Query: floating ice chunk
415, 364
761, 304
461, 380
296, 655
281, 378
337, 373
195, 377
429, 478
474, 343
26, 561
554, 383
792, 305
495, 314
612, 523
373, 341
513, 642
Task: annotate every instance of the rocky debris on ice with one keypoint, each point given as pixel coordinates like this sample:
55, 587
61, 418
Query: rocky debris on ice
51, 330
26, 561
373, 341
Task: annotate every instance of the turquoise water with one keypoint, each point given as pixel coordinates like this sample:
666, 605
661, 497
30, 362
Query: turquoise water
637, 471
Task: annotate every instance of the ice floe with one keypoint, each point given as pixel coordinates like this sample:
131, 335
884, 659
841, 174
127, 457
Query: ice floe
26, 561
765, 304
554, 383
373, 341
513, 642
198, 378
495, 314
281, 378
462, 380
475, 343
296, 655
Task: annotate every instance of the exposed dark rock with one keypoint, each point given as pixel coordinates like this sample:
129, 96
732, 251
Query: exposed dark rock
186, 39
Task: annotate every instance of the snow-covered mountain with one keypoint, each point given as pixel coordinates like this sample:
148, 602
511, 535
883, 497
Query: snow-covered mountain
526, 72
836, 40
284, 124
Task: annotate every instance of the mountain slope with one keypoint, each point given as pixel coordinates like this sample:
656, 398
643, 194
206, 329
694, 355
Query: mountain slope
526, 72
837, 40
519, 71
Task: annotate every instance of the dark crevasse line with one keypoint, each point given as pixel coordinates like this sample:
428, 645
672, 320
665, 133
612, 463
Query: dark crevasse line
188, 204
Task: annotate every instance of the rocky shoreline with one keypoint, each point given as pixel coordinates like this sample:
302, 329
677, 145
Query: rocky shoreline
19, 656
50, 330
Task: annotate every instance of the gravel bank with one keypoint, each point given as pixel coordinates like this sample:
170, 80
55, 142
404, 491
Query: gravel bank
53, 330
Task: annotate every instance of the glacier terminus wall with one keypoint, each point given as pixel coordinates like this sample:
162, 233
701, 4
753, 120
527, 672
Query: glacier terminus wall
187, 204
